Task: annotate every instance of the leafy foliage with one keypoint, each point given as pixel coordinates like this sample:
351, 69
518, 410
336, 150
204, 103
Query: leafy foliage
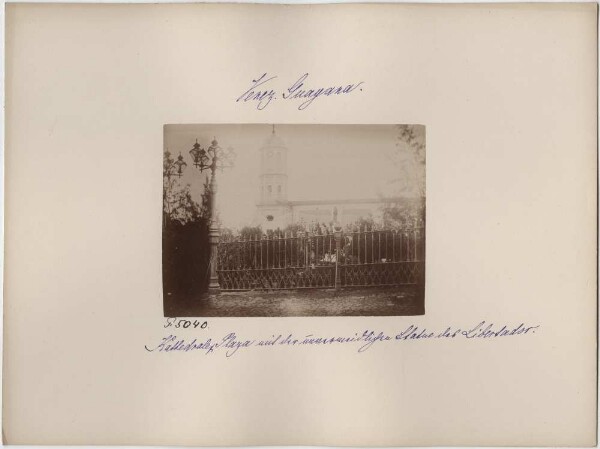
178, 204
186, 248
250, 232
409, 159
405, 214
362, 224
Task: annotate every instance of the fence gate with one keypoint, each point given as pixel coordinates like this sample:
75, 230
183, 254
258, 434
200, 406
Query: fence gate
322, 259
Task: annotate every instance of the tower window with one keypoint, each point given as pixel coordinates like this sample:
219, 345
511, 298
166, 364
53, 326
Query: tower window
269, 189
278, 189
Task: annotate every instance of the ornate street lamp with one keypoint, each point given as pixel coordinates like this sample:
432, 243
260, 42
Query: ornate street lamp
212, 159
172, 167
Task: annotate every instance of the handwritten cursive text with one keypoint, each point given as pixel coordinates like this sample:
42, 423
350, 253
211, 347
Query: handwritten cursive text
261, 92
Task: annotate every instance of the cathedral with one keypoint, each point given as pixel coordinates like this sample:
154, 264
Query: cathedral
275, 211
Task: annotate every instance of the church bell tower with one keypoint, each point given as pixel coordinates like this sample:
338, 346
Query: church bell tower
272, 207
273, 171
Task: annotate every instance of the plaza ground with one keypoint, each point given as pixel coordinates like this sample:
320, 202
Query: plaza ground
374, 301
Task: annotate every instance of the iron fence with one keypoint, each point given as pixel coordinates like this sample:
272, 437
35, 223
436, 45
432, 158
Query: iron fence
322, 258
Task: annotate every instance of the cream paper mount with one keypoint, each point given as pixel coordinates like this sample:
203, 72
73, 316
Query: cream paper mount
506, 95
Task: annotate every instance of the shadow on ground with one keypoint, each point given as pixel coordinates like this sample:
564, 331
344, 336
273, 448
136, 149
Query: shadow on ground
391, 301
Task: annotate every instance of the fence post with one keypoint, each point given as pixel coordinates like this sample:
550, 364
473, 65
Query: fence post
421, 272
213, 235
338, 240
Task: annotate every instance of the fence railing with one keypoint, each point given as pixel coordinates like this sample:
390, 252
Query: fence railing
323, 258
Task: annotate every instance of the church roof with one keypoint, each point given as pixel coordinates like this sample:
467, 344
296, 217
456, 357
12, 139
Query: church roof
348, 201
332, 202
273, 141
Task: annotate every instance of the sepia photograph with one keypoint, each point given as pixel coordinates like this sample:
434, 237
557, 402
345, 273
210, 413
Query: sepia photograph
293, 220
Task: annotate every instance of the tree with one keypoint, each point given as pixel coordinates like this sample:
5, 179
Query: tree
250, 232
186, 246
409, 159
295, 228
361, 224
178, 204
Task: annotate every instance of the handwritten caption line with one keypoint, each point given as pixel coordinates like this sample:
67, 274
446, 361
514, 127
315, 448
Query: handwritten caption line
232, 343
261, 94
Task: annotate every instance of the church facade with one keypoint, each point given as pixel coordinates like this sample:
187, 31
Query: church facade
275, 211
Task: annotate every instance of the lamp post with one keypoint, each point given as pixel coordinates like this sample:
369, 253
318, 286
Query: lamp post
212, 159
171, 168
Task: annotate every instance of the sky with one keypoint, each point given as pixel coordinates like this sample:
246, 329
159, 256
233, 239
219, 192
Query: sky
324, 162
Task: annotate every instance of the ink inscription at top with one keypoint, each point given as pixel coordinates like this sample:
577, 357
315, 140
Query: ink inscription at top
263, 91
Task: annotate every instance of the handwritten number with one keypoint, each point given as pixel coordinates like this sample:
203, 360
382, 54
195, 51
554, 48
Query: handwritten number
182, 323
170, 322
